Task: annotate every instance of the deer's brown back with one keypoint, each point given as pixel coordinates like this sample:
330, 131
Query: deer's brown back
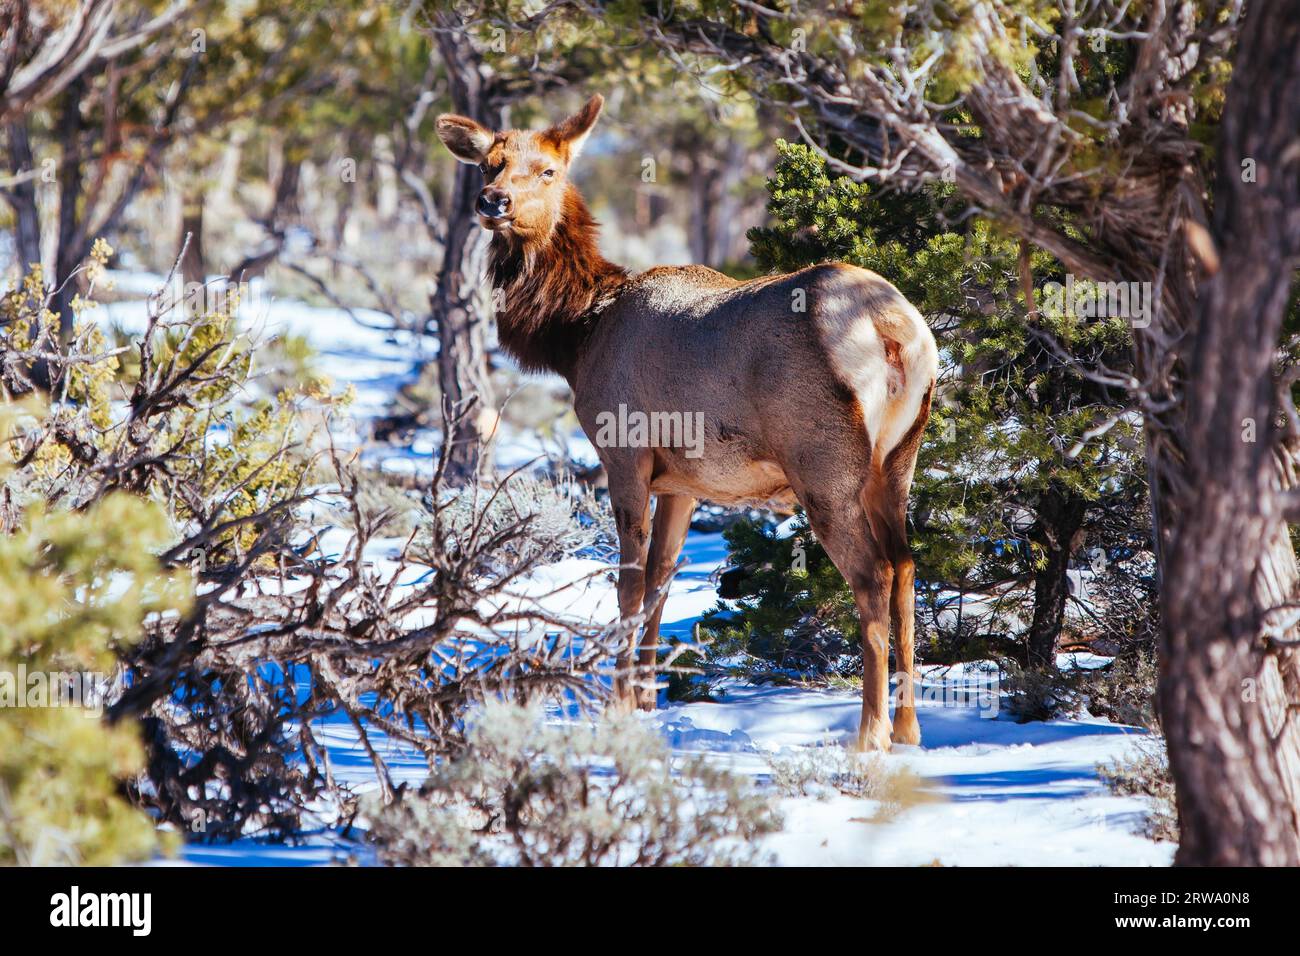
751, 359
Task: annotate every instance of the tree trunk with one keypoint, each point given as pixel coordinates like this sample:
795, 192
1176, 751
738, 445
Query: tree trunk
192, 265
459, 323
27, 225
706, 185
1060, 515
71, 249
461, 328
1228, 688
284, 210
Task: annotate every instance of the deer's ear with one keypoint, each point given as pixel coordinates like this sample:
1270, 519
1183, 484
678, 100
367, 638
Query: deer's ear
569, 135
467, 140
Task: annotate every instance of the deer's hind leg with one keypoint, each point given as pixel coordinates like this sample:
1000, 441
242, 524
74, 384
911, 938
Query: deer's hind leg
886, 499
889, 524
840, 522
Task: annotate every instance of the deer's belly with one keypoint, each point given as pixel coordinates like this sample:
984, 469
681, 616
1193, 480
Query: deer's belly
724, 482
712, 454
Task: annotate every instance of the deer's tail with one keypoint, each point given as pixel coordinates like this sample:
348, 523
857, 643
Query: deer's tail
881, 349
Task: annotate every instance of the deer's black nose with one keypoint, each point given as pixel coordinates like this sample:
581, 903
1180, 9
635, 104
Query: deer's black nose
493, 202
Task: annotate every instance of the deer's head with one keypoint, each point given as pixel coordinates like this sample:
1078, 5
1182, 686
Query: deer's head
524, 172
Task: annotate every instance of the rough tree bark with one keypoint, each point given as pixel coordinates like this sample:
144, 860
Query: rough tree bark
22, 196
192, 263
1060, 516
72, 247
1227, 678
457, 320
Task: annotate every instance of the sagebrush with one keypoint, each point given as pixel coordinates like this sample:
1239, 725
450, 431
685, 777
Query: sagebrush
528, 792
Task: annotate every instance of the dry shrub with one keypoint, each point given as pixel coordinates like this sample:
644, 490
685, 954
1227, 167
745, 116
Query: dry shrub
273, 635
561, 519
528, 793
826, 770
1125, 690
1122, 691
1033, 694
1145, 773
383, 503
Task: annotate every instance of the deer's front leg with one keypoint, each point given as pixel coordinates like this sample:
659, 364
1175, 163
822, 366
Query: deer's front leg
668, 533
630, 499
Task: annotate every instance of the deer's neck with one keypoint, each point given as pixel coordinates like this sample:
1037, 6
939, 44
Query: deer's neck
549, 292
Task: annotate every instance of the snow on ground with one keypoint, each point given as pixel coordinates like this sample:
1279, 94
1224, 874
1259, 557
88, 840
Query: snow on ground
1004, 793
1009, 793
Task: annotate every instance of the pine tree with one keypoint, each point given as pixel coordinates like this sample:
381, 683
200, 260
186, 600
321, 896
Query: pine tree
1028, 462
75, 587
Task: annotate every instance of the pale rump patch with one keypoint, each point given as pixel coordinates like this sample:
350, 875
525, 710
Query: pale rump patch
879, 347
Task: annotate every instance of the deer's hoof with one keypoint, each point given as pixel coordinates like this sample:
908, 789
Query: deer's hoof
906, 728
647, 696
875, 739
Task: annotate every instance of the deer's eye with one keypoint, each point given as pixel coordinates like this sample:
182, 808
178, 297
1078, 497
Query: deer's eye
548, 174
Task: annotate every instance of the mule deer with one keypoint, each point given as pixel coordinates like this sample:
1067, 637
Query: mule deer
812, 387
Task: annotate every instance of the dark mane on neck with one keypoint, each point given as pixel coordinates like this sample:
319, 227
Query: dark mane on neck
549, 292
